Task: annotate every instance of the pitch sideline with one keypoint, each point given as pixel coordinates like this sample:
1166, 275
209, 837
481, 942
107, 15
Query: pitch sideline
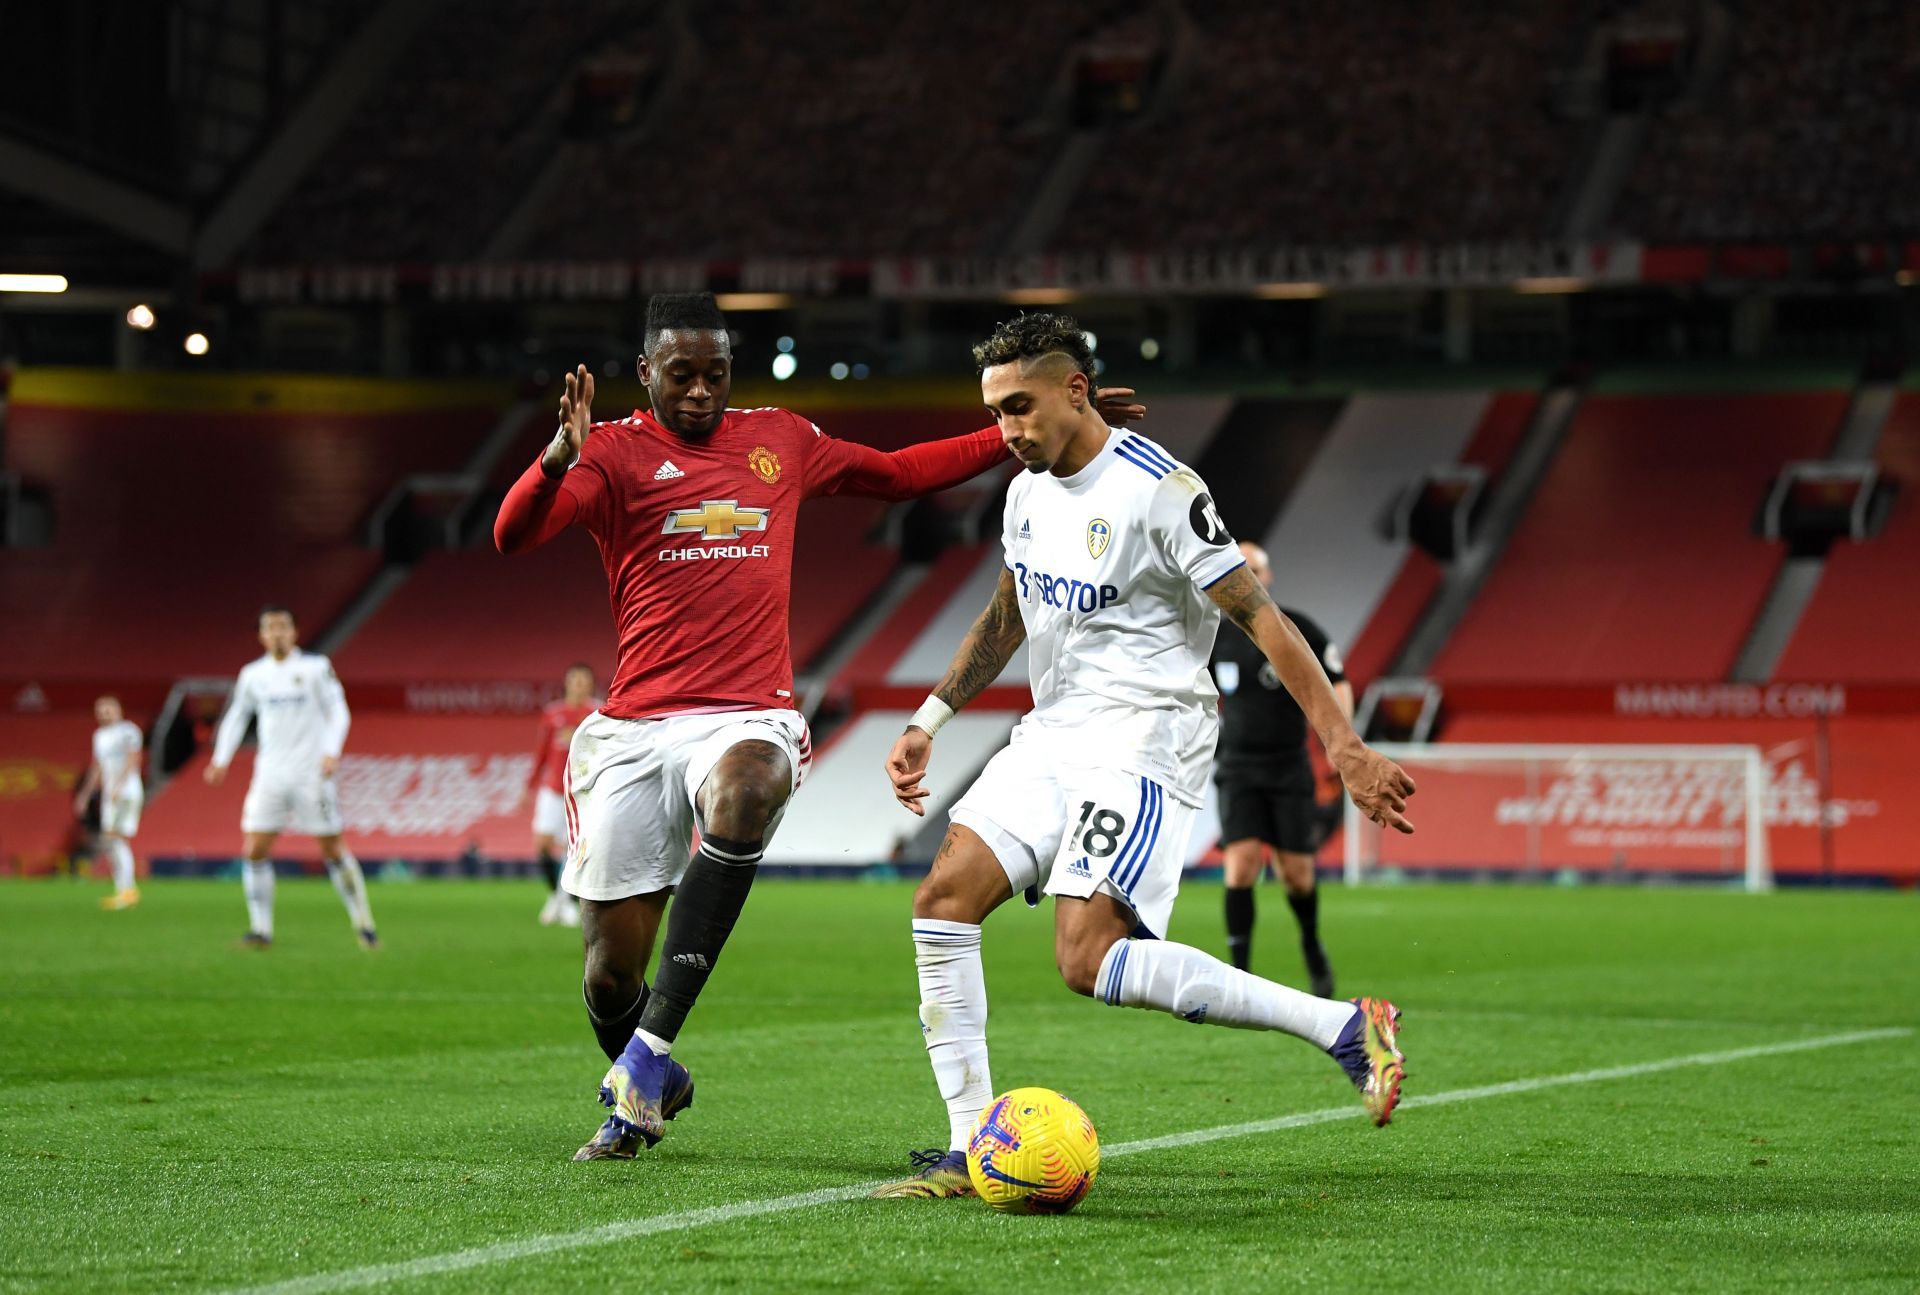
528, 1247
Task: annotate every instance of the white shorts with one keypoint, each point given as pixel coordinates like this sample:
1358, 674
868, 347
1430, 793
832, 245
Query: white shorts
1081, 829
631, 787
309, 807
550, 814
120, 816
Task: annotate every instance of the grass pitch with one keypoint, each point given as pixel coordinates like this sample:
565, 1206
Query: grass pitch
176, 1114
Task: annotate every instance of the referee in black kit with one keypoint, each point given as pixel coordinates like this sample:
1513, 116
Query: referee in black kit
1266, 783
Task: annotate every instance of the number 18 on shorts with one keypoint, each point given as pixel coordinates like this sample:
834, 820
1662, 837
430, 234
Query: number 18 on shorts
1082, 830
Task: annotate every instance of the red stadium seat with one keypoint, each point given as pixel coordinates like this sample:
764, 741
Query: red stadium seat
1637, 558
1865, 616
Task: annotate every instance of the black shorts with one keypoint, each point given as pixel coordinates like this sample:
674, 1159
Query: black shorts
1285, 819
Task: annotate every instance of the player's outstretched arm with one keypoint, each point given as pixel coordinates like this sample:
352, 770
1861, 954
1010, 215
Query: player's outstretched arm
983, 654
848, 468
339, 720
233, 727
1378, 786
544, 502
84, 791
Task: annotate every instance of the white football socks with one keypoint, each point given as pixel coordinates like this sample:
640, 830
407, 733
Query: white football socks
953, 1017
120, 854
351, 884
258, 881
1198, 987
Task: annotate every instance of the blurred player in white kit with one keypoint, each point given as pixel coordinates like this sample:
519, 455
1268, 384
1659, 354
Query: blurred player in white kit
115, 773
302, 715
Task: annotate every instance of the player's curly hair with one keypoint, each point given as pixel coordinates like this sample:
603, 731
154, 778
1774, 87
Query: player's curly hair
669, 312
1030, 336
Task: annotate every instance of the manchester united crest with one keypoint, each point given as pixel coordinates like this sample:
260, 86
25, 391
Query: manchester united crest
765, 464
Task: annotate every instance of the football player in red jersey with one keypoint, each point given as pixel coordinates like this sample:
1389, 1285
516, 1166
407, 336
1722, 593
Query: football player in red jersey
693, 507
547, 785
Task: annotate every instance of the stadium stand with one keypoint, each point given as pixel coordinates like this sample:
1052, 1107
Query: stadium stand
1332, 555
397, 185
1650, 497
1288, 123
274, 513
1380, 636
1865, 601
904, 75
1304, 124
1810, 135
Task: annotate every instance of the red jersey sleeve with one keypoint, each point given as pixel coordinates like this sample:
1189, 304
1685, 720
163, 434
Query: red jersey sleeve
539, 507
836, 467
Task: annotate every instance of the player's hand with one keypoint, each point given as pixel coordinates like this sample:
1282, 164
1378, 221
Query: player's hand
329, 765
1378, 786
79, 807
216, 774
907, 765
576, 421
1117, 405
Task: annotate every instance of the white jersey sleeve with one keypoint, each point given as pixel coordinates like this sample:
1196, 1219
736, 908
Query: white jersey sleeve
331, 698
233, 725
1185, 528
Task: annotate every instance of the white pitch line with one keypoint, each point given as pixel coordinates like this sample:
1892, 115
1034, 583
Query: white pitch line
626, 1229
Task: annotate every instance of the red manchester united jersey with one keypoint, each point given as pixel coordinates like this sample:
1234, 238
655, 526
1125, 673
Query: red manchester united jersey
697, 539
557, 723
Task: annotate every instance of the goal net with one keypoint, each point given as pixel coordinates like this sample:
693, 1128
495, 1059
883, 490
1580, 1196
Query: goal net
1525, 811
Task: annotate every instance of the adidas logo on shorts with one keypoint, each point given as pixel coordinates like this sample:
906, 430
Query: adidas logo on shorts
1079, 868
668, 472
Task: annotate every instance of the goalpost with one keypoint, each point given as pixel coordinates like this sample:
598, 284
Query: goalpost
1523, 811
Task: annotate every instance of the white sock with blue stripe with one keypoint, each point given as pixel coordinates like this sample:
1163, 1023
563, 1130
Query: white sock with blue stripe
1198, 987
351, 885
953, 1017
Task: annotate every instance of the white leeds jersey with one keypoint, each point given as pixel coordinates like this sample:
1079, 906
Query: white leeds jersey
116, 749
1111, 566
302, 713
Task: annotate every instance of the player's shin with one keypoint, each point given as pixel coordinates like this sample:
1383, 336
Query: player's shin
706, 905
1198, 987
257, 878
351, 884
121, 855
615, 1030
953, 1018
1239, 905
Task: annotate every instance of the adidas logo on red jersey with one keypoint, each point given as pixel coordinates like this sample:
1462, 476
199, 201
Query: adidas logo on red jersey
668, 472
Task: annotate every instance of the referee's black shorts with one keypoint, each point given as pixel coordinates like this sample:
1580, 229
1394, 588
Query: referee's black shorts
1284, 816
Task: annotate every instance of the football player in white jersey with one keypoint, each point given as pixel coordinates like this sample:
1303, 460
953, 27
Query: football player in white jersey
302, 714
1117, 568
115, 774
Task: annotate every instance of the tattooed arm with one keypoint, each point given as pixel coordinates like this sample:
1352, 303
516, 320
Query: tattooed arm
983, 654
1378, 786
987, 647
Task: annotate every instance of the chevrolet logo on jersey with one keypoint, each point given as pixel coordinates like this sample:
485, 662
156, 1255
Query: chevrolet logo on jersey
715, 519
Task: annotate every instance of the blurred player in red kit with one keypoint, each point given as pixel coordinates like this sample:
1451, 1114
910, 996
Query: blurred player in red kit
547, 785
693, 506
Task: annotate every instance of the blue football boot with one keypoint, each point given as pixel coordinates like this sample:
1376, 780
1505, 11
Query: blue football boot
643, 1091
